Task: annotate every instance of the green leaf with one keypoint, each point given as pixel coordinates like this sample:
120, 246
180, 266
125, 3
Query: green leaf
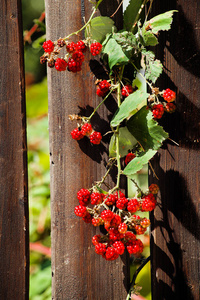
127, 41
37, 44
128, 106
115, 53
153, 67
131, 12
146, 130
161, 22
149, 38
126, 142
138, 162
99, 27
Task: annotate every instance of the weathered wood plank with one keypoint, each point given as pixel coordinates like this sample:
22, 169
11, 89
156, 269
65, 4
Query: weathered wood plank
14, 247
77, 272
176, 223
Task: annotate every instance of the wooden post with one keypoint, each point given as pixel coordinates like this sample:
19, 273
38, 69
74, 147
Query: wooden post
175, 242
77, 272
14, 247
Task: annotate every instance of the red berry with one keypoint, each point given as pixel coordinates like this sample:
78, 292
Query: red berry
95, 137
135, 247
100, 93
122, 203
133, 205
71, 47
100, 248
170, 107
107, 215
129, 157
97, 222
148, 203
154, 188
80, 46
122, 228
74, 66
77, 134
83, 196
158, 111
86, 129
127, 90
109, 199
139, 229
60, 64
78, 56
116, 220
87, 218
95, 239
111, 254
169, 95
129, 236
145, 222
48, 46
119, 247
96, 198
104, 86
95, 48
80, 210
114, 235
118, 194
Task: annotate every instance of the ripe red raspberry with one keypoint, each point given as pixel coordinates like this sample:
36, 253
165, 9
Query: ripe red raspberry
129, 236
76, 134
158, 111
122, 203
95, 48
71, 47
107, 215
139, 229
87, 218
116, 220
145, 222
170, 107
122, 228
74, 66
135, 247
129, 157
111, 254
148, 203
154, 188
95, 138
78, 56
127, 90
169, 95
60, 64
114, 235
100, 248
83, 196
95, 239
96, 198
80, 46
86, 129
119, 247
97, 222
80, 211
109, 199
61, 43
104, 86
48, 46
99, 92
118, 194
133, 205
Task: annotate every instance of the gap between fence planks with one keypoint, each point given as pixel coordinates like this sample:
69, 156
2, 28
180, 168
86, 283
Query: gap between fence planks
77, 272
175, 242
14, 247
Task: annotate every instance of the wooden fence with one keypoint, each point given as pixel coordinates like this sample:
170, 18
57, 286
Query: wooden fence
77, 272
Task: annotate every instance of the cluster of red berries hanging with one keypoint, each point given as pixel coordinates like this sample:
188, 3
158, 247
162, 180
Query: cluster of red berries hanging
164, 103
73, 58
86, 130
116, 214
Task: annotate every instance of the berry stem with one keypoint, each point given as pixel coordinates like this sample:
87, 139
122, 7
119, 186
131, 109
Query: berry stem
117, 139
104, 177
138, 15
142, 75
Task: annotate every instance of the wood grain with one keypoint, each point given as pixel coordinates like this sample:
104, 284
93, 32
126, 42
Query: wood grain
14, 247
77, 272
175, 242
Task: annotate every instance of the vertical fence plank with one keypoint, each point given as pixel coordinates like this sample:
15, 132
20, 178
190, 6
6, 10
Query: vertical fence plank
77, 272
175, 241
14, 247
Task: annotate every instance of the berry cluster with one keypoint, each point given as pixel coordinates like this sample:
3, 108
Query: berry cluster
86, 130
157, 106
103, 88
127, 90
116, 214
74, 57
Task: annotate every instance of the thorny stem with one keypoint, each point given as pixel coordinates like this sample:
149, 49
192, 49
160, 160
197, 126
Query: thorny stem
88, 22
135, 276
142, 75
138, 15
117, 139
137, 186
104, 177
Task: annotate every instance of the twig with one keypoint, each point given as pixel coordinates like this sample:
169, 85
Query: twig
117, 9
